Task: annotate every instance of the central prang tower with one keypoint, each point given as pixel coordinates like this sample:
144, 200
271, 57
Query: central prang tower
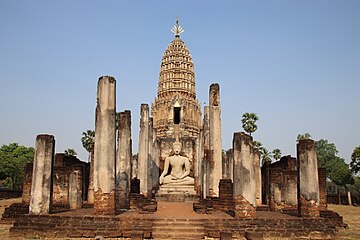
176, 112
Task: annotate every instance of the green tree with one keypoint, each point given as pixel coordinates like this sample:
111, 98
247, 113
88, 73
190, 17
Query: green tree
88, 141
265, 155
13, 159
336, 169
249, 122
70, 152
257, 144
276, 153
303, 136
355, 160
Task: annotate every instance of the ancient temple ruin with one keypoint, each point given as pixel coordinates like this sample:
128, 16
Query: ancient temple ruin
179, 160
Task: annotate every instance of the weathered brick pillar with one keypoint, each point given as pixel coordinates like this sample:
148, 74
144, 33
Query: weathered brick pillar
198, 172
105, 147
206, 153
322, 188
123, 162
143, 157
290, 189
256, 162
215, 140
308, 187
244, 176
227, 165
75, 189
41, 186
154, 160
90, 199
275, 190
26, 195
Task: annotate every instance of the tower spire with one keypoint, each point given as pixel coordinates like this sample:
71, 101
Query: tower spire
177, 29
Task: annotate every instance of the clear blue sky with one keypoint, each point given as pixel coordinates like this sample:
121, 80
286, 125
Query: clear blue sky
294, 63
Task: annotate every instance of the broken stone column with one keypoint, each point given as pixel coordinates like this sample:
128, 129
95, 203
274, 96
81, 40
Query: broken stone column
215, 164
26, 195
308, 187
123, 162
322, 188
105, 147
143, 158
256, 162
206, 154
227, 165
244, 176
41, 186
75, 189
90, 198
290, 189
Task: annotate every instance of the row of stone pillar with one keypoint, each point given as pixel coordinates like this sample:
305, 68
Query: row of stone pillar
111, 171
247, 177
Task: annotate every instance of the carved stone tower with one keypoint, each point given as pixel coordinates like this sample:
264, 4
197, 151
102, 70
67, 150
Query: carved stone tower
176, 112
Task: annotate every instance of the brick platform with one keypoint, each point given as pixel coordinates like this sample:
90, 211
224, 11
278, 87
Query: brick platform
172, 221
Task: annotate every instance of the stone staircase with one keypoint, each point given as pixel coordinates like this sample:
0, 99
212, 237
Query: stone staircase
181, 229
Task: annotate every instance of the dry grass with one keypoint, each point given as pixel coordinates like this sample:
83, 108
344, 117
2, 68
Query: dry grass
351, 217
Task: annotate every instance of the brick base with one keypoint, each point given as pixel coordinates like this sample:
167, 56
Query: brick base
104, 203
243, 209
308, 209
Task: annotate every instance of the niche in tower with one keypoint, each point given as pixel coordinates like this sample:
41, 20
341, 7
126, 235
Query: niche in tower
177, 110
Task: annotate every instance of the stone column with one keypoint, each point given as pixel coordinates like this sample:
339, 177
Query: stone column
256, 162
244, 176
215, 140
308, 187
206, 154
105, 147
123, 162
153, 157
75, 189
143, 157
227, 165
41, 186
198, 173
290, 189
91, 179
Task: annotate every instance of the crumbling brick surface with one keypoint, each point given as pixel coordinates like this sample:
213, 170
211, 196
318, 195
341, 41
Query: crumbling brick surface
104, 203
243, 209
308, 209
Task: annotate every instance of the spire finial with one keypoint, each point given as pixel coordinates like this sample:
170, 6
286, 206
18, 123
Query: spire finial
177, 29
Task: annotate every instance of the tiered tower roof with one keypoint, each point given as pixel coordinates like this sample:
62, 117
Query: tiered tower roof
176, 92
177, 70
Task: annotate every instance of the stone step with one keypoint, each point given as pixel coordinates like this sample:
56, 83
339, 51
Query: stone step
178, 229
184, 236
179, 223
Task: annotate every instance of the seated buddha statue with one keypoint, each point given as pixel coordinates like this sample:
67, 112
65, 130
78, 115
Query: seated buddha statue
180, 169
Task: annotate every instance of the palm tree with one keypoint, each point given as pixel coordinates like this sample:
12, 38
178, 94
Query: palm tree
257, 145
70, 152
88, 140
248, 120
276, 154
303, 136
265, 155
